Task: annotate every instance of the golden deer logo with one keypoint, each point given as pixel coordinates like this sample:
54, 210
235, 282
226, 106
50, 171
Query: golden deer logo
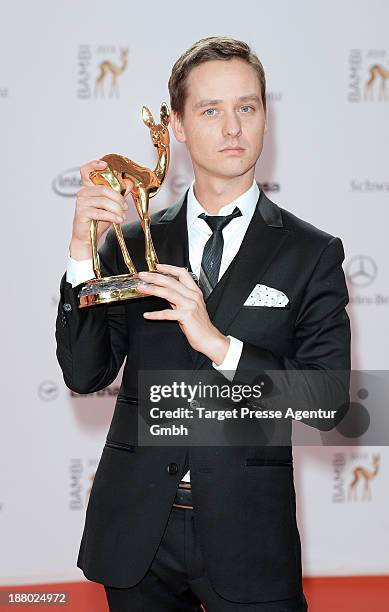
115, 70
377, 72
360, 473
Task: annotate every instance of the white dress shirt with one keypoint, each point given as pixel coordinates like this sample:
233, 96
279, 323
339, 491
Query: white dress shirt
198, 233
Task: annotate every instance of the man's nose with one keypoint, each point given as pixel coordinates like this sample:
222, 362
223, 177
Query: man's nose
232, 125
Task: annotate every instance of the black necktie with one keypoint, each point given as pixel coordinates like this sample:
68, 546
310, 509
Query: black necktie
213, 250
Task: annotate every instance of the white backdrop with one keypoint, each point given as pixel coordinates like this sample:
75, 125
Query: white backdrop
325, 159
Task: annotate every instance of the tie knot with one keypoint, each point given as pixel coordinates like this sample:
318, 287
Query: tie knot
218, 222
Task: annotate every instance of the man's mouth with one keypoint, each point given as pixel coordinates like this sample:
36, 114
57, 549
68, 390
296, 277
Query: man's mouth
231, 149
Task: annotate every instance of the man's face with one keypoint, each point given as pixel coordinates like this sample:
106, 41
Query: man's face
224, 119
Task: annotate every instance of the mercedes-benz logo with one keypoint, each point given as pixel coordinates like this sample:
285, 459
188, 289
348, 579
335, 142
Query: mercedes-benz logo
361, 271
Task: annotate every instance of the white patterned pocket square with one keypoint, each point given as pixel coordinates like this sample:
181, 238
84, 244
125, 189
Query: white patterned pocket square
262, 295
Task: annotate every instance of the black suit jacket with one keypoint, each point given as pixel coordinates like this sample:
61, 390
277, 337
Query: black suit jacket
244, 496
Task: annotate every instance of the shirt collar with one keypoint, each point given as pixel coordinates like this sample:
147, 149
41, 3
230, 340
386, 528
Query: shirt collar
246, 202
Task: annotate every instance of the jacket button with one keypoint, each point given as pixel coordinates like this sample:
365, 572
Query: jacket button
172, 468
67, 307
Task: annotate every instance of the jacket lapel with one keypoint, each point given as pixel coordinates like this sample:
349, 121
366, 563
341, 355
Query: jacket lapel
170, 235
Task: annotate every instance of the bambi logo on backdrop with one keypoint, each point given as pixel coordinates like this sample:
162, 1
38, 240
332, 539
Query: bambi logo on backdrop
368, 75
361, 478
353, 476
81, 475
100, 70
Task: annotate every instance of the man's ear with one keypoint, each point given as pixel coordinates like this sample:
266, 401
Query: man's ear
177, 126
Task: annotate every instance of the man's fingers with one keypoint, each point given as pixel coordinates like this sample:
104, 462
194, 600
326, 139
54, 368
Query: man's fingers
104, 204
99, 214
95, 164
178, 298
102, 192
182, 274
171, 315
99, 164
101, 204
170, 282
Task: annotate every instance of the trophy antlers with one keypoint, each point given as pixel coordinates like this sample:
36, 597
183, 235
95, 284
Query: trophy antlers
146, 185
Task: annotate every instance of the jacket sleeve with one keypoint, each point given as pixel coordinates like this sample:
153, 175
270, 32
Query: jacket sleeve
91, 342
318, 374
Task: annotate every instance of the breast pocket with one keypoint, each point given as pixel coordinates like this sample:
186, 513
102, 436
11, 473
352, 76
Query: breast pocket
260, 306
270, 325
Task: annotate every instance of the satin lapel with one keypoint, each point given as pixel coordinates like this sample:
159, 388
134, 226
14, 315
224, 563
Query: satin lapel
170, 237
263, 239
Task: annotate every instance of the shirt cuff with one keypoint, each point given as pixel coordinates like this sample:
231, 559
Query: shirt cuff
79, 271
230, 362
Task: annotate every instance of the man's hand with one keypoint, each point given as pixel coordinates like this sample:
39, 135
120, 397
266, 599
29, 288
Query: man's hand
188, 309
103, 204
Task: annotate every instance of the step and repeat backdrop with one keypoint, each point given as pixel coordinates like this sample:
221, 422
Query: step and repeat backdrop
73, 79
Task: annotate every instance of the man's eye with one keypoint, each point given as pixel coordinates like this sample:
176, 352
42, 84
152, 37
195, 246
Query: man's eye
210, 112
246, 109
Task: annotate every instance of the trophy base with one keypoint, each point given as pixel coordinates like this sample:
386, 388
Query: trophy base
110, 289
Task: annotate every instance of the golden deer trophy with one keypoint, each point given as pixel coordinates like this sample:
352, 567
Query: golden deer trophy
147, 183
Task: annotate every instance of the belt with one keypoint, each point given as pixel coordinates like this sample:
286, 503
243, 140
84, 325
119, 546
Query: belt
183, 498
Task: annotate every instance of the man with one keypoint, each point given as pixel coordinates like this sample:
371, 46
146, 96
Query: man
171, 528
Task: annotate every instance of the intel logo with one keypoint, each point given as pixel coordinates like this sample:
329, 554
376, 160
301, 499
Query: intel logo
68, 183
